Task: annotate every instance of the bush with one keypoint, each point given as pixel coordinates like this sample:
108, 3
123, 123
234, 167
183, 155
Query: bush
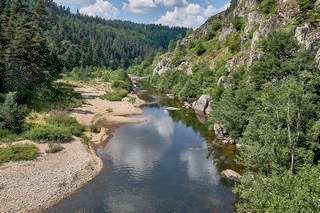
7, 136
49, 133
200, 50
216, 25
63, 120
234, 42
18, 152
238, 23
268, 7
54, 148
12, 115
94, 128
115, 96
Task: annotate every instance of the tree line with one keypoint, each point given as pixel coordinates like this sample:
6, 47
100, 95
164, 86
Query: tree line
39, 40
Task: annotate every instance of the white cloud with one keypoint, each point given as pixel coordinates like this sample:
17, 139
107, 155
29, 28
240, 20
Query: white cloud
143, 6
100, 8
79, 2
139, 6
172, 3
192, 15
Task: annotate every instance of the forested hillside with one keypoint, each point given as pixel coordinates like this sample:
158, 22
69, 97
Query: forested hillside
259, 62
38, 39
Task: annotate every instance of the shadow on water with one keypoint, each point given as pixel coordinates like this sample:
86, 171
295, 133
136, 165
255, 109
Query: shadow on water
168, 164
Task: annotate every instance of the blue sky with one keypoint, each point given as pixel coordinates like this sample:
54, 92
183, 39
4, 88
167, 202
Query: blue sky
187, 13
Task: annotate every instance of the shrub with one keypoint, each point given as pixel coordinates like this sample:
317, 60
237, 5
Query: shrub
7, 136
18, 152
54, 148
12, 115
238, 23
200, 50
115, 96
268, 7
94, 128
234, 42
49, 133
216, 25
85, 140
62, 119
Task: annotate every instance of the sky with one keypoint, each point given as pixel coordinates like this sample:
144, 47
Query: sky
186, 13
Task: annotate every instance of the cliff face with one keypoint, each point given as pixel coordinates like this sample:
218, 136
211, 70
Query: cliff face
235, 34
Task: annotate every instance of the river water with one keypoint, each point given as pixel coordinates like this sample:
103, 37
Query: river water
167, 164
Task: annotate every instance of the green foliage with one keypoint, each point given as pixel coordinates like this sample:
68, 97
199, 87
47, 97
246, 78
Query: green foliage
62, 119
234, 42
216, 25
268, 7
85, 140
12, 115
49, 133
238, 23
115, 96
308, 12
200, 49
94, 128
56, 96
177, 57
280, 192
18, 152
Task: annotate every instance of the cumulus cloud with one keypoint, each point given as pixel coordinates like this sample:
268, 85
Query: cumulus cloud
172, 3
100, 8
139, 6
79, 2
143, 6
192, 15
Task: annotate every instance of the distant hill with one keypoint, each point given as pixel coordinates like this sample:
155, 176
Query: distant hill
38, 39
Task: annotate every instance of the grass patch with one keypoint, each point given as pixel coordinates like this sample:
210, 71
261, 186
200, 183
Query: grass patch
85, 140
49, 133
115, 96
94, 128
7, 137
54, 148
18, 152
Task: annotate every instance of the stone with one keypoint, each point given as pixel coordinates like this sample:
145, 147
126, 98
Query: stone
202, 103
226, 32
309, 35
231, 175
162, 67
220, 132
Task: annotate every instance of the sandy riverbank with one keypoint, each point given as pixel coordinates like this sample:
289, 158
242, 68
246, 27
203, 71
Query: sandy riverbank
32, 186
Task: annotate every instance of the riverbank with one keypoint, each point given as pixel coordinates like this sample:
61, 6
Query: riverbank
33, 186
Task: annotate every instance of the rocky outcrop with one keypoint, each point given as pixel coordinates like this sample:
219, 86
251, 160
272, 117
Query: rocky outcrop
309, 35
162, 67
202, 103
226, 32
220, 132
231, 175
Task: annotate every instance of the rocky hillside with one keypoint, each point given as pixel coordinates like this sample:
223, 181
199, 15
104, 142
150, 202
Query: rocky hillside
256, 66
233, 35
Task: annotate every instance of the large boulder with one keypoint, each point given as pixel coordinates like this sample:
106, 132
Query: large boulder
231, 175
202, 103
220, 132
162, 67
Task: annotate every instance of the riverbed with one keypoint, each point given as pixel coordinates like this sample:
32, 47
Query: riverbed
166, 164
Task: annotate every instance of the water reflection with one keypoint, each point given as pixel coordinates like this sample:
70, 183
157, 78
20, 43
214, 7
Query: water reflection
163, 165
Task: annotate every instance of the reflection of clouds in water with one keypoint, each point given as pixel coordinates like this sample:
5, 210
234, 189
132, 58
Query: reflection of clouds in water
199, 170
151, 140
129, 201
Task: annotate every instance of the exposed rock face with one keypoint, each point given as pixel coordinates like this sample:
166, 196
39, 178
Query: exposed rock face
202, 104
162, 67
317, 3
222, 80
226, 32
309, 35
243, 7
220, 132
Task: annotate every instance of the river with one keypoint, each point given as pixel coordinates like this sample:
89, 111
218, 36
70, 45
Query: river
167, 164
